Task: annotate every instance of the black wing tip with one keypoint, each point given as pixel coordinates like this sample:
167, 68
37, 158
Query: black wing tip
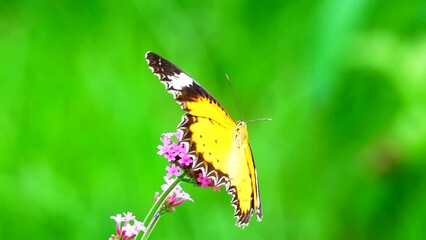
152, 57
149, 53
161, 66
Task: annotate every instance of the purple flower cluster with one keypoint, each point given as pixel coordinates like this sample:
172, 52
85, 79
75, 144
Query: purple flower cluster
179, 169
127, 231
181, 162
174, 153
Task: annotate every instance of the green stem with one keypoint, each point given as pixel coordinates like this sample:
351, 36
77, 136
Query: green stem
154, 214
151, 226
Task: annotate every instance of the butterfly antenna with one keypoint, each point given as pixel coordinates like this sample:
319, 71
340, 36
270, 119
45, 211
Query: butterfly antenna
259, 119
235, 96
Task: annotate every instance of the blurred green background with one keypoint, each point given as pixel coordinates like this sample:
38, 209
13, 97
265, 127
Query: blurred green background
81, 115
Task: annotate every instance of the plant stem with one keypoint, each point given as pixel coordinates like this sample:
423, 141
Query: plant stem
154, 214
151, 226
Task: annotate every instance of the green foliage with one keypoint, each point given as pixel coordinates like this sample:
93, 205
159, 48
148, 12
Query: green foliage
81, 115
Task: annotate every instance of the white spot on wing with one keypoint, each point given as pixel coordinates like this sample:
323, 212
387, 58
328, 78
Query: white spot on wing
180, 81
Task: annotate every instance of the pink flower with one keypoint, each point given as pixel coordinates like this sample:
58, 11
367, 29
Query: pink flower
128, 231
178, 135
128, 216
173, 170
177, 154
171, 153
168, 149
167, 138
163, 149
139, 226
179, 198
167, 184
174, 151
182, 148
184, 160
204, 180
176, 197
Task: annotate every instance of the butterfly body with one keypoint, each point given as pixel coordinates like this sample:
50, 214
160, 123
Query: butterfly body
218, 145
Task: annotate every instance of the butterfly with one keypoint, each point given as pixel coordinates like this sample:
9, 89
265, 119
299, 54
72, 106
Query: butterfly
218, 145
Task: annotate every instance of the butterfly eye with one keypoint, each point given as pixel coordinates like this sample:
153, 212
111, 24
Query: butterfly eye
241, 123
